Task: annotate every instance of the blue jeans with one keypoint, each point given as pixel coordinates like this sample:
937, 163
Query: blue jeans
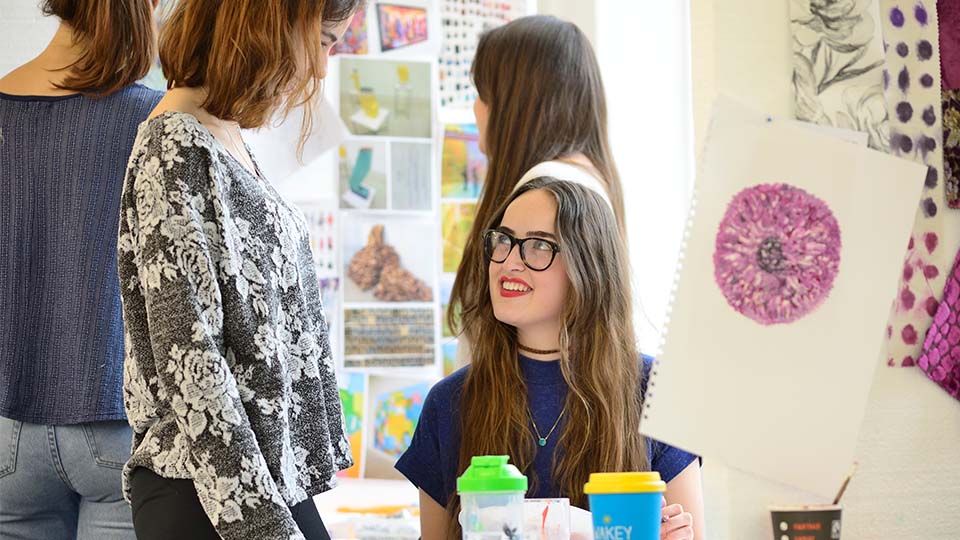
63, 482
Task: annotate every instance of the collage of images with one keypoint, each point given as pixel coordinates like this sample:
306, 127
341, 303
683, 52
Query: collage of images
392, 27
392, 235
390, 304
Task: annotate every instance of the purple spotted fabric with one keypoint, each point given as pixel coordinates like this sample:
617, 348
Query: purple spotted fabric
912, 92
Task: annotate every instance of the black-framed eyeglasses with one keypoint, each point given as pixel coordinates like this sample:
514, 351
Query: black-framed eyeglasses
537, 254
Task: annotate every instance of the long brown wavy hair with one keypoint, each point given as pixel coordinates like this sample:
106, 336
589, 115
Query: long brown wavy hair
254, 57
540, 81
599, 359
118, 40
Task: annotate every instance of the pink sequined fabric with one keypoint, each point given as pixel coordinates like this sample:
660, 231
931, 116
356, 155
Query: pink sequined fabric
940, 358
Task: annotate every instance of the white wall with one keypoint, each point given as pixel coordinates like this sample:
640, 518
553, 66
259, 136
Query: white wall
651, 131
643, 52
24, 32
908, 482
581, 12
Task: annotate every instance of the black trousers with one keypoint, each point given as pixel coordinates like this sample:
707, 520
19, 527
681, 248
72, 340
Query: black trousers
165, 509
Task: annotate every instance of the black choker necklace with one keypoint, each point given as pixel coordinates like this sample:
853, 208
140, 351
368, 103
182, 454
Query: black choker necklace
524, 348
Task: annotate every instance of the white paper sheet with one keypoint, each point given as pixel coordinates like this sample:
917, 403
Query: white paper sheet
783, 400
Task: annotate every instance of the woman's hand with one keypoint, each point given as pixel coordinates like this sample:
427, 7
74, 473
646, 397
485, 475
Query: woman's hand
677, 524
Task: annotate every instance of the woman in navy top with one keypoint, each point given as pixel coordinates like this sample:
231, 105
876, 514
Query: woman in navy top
555, 380
68, 119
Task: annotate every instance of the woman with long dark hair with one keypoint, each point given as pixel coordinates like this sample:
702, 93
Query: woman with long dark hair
541, 111
556, 381
68, 119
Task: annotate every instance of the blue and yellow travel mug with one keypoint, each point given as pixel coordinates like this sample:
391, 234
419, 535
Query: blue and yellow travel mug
626, 506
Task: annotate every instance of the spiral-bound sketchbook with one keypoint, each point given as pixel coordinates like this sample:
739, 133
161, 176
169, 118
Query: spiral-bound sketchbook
791, 259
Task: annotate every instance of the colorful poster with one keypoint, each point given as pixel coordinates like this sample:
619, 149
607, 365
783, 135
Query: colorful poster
401, 26
463, 165
354, 40
395, 404
395, 418
457, 220
353, 396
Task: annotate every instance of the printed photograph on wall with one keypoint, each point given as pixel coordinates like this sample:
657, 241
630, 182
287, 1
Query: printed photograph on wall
363, 175
322, 223
401, 26
388, 259
395, 404
386, 97
411, 186
449, 350
354, 40
388, 337
462, 24
353, 396
456, 221
463, 166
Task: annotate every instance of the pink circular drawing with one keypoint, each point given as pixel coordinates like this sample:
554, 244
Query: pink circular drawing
777, 253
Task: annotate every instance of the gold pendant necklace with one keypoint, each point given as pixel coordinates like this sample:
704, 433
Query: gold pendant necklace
542, 440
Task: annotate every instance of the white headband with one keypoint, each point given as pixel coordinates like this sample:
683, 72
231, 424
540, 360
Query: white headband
567, 173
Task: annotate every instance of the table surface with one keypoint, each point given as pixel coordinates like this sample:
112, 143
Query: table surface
366, 493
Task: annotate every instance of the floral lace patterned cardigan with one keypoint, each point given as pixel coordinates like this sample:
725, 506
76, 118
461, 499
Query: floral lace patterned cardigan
228, 378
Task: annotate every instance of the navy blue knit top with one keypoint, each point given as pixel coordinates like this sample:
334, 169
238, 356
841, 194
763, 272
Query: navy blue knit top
431, 461
62, 161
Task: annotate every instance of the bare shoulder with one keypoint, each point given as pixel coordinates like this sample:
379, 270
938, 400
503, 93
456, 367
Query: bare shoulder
30, 80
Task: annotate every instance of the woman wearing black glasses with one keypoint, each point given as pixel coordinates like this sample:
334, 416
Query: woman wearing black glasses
555, 382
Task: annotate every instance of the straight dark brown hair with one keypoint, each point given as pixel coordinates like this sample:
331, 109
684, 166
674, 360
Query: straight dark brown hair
540, 80
254, 57
118, 40
599, 359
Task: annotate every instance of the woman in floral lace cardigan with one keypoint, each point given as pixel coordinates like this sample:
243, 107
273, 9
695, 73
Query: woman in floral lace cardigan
229, 382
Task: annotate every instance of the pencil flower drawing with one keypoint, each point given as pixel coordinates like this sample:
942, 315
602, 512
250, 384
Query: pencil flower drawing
838, 66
